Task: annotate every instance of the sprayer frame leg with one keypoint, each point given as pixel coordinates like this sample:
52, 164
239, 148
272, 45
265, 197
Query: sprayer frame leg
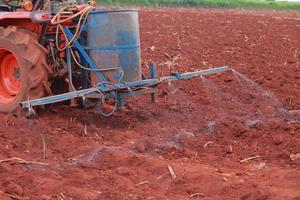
122, 95
153, 74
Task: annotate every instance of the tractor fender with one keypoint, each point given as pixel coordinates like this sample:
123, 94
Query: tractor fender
14, 15
20, 19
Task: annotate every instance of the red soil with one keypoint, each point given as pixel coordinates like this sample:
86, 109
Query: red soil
201, 128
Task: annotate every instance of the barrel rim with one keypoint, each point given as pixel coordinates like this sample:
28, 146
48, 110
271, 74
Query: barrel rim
103, 10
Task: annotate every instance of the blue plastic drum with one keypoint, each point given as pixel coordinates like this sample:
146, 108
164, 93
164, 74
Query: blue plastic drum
113, 42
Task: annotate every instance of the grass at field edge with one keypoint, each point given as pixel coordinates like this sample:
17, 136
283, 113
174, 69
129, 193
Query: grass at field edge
238, 4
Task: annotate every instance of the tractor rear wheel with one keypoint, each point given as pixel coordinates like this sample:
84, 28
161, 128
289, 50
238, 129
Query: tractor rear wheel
23, 68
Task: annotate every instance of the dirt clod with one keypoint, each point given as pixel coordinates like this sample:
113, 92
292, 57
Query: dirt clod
239, 130
277, 139
140, 147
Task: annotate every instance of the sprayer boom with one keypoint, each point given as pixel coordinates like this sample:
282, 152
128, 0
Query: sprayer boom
104, 89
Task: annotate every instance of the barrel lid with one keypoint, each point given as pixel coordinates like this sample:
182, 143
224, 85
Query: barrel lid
105, 10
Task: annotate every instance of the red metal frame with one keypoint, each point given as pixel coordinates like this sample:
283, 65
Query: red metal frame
9, 66
19, 19
24, 19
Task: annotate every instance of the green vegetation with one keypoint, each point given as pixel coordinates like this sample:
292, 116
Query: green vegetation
252, 4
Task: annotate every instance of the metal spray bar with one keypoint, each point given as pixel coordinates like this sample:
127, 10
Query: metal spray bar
106, 87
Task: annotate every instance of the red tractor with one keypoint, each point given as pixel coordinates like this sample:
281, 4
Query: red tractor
32, 48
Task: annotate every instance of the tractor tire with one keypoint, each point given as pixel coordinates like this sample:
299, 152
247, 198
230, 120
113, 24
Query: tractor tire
23, 68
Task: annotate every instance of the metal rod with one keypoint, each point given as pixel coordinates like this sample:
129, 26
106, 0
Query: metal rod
69, 65
58, 98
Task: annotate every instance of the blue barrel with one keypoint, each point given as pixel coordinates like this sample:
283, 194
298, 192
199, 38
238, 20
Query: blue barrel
113, 42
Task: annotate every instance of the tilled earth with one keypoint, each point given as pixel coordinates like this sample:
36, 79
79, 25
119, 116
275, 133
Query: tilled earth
230, 136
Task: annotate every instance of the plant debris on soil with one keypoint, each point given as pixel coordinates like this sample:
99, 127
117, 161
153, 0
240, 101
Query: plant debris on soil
233, 135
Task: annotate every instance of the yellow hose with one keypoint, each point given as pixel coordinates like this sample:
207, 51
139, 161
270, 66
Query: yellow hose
56, 21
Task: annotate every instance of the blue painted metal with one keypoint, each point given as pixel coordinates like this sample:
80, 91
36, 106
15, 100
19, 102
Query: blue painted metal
57, 98
113, 41
85, 82
153, 74
106, 87
85, 55
152, 69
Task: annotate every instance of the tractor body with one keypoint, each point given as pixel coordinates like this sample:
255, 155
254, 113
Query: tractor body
60, 51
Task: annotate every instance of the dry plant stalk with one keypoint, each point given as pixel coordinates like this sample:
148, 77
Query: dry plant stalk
208, 143
294, 157
291, 100
171, 171
97, 136
172, 62
61, 196
22, 161
85, 130
258, 167
75, 158
142, 183
73, 119
6, 120
250, 158
44, 146
198, 194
